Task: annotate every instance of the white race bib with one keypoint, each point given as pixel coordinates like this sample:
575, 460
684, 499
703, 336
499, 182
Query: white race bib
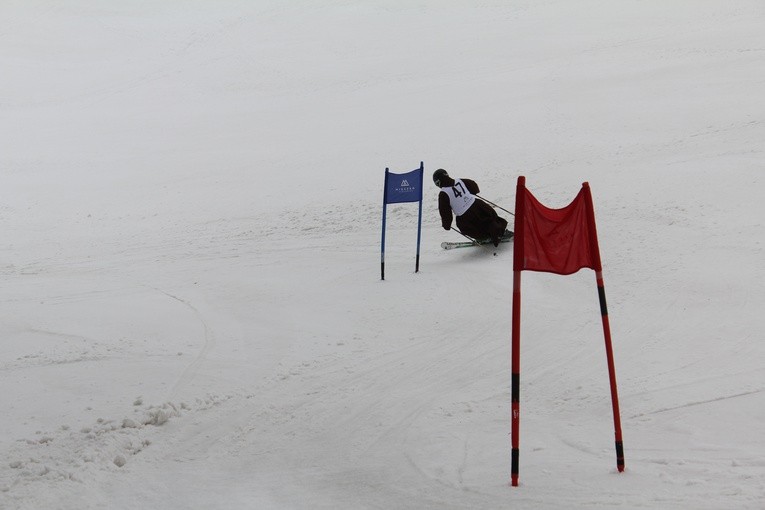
459, 197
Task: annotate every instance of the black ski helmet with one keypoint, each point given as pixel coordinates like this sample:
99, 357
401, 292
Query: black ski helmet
439, 176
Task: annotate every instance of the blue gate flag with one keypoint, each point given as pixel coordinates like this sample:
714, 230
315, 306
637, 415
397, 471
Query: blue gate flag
400, 188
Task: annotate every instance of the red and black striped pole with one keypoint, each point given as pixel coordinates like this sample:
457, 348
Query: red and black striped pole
518, 247
516, 380
611, 373
606, 328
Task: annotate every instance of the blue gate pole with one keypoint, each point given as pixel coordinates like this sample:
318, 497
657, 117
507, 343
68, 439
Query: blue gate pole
419, 220
382, 244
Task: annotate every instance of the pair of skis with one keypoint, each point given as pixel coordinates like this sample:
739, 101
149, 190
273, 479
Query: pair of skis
446, 245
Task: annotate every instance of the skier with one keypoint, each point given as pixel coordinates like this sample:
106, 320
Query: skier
475, 218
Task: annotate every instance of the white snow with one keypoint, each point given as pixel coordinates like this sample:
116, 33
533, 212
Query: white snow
192, 314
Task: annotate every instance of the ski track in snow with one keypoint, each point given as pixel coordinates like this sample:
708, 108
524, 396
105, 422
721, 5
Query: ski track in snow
207, 344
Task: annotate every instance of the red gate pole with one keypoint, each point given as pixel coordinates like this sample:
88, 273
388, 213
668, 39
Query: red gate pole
516, 378
611, 373
516, 329
606, 329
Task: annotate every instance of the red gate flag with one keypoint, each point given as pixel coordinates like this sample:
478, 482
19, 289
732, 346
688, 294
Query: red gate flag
560, 241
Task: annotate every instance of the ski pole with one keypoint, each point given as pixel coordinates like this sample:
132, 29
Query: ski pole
465, 236
495, 205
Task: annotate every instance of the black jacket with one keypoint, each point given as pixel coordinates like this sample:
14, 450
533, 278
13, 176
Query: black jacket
480, 221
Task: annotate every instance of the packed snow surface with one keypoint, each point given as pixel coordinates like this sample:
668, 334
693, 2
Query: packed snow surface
192, 315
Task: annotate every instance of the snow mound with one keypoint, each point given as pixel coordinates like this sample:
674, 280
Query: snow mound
64, 456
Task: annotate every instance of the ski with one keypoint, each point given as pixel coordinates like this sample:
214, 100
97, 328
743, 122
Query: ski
446, 245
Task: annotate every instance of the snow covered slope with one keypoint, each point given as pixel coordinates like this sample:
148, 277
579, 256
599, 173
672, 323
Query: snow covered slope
192, 315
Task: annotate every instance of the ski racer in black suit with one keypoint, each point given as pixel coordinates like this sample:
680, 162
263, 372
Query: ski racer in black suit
475, 218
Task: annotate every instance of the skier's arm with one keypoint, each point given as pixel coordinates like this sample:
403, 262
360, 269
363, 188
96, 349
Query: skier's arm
445, 209
472, 186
